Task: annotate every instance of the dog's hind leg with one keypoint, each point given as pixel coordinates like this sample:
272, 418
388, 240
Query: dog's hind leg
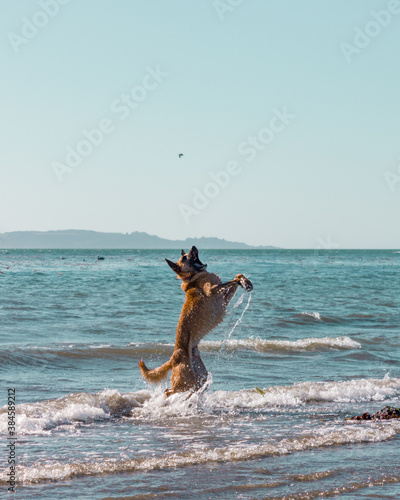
183, 377
200, 371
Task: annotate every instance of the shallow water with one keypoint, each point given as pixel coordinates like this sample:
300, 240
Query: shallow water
319, 340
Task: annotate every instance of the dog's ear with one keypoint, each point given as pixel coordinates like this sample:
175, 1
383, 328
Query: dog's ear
173, 266
194, 253
183, 253
195, 261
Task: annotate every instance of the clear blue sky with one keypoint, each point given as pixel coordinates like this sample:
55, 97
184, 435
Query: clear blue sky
209, 80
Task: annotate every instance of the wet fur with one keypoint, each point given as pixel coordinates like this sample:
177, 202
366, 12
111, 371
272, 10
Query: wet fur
205, 307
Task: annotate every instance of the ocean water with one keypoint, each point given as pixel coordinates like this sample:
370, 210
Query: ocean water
318, 336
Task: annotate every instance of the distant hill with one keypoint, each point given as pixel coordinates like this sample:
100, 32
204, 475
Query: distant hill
72, 238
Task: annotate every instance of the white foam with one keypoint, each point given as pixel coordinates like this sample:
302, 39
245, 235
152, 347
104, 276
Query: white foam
42, 417
46, 416
179, 406
354, 391
314, 315
264, 345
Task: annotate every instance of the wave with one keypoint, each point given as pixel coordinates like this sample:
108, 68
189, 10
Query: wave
44, 416
322, 437
43, 355
315, 317
351, 487
265, 345
310, 317
70, 411
277, 399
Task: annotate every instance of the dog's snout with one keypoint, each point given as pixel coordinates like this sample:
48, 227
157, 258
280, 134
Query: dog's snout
172, 265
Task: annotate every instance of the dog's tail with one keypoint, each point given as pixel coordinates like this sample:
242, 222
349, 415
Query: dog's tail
158, 374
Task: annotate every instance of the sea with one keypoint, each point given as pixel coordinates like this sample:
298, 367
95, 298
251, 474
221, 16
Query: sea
316, 342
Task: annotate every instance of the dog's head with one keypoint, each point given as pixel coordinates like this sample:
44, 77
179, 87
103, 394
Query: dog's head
188, 265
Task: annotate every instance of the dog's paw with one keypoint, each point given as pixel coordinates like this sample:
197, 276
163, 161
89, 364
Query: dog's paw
248, 285
244, 282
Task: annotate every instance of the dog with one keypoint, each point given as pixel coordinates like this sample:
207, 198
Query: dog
205, 306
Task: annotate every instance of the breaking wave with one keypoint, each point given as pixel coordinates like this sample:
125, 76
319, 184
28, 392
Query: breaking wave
266, 345
45, 417
313, 315
50, 355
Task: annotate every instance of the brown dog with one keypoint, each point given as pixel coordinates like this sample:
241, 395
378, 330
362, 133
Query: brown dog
204, 308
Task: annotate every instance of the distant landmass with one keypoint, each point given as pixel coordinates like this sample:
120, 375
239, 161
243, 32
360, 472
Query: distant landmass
81, 239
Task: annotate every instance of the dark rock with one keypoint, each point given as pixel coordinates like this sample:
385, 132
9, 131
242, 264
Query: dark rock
386, 413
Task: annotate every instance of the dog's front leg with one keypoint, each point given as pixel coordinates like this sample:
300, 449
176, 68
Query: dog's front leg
229, 290
230, 287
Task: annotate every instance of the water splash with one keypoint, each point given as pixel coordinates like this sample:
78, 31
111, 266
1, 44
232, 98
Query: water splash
239, 320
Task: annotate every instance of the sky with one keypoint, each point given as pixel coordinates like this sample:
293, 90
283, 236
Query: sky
287, 114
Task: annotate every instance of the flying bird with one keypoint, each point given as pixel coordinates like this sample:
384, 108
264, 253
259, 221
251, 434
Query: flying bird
180, 155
